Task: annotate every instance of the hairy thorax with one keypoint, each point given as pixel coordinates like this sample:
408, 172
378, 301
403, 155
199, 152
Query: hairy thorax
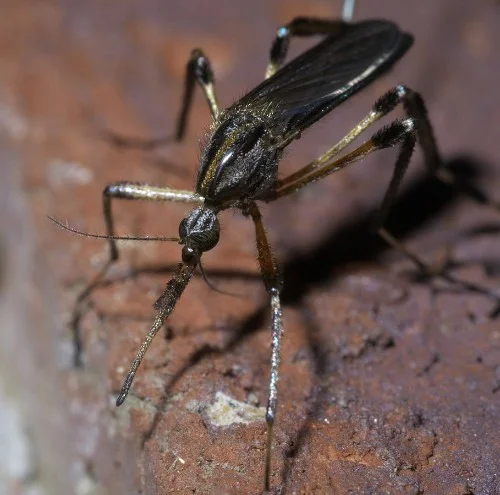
240, 161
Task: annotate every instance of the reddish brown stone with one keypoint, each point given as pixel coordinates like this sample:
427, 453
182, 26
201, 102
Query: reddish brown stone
388, 385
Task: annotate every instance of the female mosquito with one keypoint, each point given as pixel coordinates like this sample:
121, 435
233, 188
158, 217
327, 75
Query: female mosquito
239, 165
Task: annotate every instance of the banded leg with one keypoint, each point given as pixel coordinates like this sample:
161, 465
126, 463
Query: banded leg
382, 107
164, 306
134, 191
198, 70
300, 26
414, 107
398, 132
121, 190
273, 283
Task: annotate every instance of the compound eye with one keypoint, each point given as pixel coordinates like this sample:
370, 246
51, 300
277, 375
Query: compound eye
190, 255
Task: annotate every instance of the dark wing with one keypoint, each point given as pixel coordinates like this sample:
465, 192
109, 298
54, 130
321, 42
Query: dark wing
324, 76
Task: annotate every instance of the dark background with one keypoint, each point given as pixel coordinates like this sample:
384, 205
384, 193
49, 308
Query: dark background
389, 385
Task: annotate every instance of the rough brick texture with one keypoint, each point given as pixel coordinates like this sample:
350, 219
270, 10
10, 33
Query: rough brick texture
389, 384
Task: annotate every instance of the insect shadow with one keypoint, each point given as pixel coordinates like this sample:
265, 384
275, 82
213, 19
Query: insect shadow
239, 164
424, 201
304, 273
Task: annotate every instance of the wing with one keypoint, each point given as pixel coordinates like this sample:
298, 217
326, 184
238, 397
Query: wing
324, 76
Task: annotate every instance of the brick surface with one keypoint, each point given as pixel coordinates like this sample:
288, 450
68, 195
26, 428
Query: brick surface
389, 385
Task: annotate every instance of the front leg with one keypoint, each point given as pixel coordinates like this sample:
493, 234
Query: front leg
273, 283
120, 190
300, 26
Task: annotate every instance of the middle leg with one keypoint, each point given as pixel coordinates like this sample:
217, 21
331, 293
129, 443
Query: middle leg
198, 70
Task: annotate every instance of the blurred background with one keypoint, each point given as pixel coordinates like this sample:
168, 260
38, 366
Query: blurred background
389, 385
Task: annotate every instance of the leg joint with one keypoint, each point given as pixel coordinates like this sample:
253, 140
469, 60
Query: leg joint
200, 65
394, 133
117, 190
270, 416
273, 284
279, 47
391, 99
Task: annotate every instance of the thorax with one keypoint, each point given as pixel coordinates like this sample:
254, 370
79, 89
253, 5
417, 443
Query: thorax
240, 160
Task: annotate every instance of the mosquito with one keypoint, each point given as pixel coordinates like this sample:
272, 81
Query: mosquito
239, 164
